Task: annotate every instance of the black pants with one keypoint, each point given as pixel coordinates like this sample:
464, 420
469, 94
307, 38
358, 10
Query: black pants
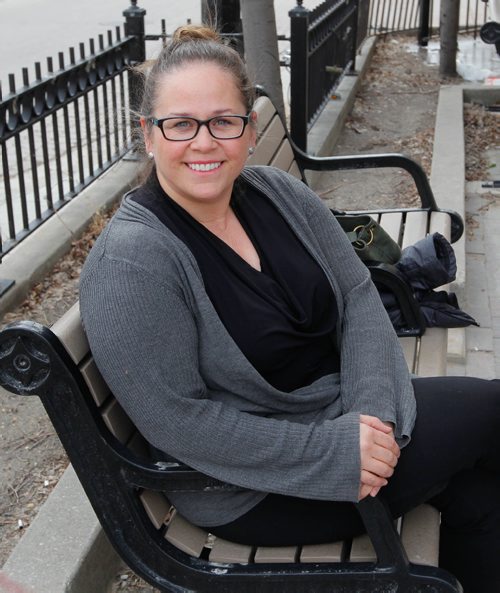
451, 462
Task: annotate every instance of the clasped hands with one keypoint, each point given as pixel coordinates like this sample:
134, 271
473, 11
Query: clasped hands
379, 454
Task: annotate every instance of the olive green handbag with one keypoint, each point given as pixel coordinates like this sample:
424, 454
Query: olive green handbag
368, 238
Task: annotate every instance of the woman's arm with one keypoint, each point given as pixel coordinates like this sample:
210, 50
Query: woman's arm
145, 341
374, 376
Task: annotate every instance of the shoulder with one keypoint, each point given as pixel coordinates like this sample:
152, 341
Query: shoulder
273, 176
289, 193
136, 239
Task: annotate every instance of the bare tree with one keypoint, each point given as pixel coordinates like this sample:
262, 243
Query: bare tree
448, 33
261, 47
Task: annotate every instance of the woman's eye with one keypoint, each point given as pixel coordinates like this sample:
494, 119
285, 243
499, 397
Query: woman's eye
224, 122
185, 123
178, 124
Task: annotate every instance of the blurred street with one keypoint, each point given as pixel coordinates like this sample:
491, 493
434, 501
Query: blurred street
31, 30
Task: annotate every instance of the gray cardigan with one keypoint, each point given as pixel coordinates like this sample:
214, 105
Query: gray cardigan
171, 363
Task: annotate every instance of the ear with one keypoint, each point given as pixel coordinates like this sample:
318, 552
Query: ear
253, 127
146, 133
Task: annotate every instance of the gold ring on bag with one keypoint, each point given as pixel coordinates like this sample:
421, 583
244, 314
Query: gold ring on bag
365, 243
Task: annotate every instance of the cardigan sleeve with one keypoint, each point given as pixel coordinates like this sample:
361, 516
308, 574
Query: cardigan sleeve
145, 341
374, 375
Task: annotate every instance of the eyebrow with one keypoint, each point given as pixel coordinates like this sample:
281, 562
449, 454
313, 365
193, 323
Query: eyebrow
215, 113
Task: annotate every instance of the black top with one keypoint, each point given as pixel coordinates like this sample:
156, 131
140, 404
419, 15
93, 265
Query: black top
282, 318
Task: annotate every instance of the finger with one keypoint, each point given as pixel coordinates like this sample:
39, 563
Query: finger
375, 422
384, 455
378, 468
387, 442
374, 491
374, 444
372, 480
364, 491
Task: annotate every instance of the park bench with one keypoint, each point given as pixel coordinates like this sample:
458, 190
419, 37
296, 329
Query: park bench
127, 488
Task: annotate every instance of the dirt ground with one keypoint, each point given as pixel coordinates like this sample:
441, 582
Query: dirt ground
394, 112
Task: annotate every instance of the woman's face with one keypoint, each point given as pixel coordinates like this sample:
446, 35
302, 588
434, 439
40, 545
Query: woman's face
201, 170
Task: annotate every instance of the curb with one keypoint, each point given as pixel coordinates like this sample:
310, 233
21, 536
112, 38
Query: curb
64, 550
447, 178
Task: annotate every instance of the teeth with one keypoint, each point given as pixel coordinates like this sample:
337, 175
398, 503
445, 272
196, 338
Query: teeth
204, 166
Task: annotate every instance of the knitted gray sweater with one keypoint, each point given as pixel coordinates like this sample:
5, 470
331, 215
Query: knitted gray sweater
171, 363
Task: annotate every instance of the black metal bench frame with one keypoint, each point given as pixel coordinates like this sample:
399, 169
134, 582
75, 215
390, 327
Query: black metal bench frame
33, 361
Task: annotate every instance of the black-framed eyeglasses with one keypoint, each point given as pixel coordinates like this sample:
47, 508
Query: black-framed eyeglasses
221, 127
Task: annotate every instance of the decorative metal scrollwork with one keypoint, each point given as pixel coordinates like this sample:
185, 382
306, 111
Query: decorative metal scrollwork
23, 366
21, 108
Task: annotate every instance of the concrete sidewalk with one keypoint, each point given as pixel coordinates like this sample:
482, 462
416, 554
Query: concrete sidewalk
53, 558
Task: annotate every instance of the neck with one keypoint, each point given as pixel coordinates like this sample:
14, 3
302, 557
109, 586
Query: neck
212, 213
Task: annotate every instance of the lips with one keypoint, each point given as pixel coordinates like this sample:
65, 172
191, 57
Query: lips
204, 166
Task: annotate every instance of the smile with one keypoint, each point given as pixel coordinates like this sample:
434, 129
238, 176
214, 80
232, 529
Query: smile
204, 166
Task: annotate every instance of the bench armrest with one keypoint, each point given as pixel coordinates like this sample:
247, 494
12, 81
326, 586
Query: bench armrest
388, 277
375, 161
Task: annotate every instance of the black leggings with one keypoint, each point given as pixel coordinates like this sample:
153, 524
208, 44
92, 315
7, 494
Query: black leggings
451, 462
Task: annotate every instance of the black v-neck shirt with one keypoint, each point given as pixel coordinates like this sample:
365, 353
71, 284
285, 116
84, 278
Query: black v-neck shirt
283, 317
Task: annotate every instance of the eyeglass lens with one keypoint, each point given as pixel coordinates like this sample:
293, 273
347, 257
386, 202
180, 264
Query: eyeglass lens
186, 128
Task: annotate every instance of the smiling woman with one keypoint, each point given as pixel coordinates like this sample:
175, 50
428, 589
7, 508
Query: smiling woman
229, 314
199, 148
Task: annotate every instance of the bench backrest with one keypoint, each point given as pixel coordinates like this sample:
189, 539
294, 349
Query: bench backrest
273, 144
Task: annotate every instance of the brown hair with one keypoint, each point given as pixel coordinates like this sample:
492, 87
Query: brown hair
195, 43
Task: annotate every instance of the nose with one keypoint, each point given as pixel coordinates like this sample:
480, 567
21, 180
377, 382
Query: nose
203, 139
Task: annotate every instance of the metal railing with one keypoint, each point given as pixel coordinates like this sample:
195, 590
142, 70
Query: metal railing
421, 17
323, 49
61, 131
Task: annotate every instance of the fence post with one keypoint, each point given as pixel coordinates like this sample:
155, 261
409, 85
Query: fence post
355, 37
299, 74
423, 31
134, 26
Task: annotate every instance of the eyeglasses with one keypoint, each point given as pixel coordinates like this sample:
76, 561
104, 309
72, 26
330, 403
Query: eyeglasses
221, 127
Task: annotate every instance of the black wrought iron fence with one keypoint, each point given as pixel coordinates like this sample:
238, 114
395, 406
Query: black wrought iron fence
323, 49
60, 132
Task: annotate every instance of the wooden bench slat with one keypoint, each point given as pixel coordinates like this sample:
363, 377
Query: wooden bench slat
69, 330
276, 554
265, 112
156, 506
362, 550
420, 535
117, 421
322, 552
391, 222
138, 445
295, 171
433, 352
269, 143
415, 228
440, 222
225, 551
409, 346
96, 384
185, 536
284, 157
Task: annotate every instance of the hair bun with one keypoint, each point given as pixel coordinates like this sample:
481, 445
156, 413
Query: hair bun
187, 33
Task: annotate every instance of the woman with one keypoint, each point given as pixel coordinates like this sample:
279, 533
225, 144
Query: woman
265, 356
